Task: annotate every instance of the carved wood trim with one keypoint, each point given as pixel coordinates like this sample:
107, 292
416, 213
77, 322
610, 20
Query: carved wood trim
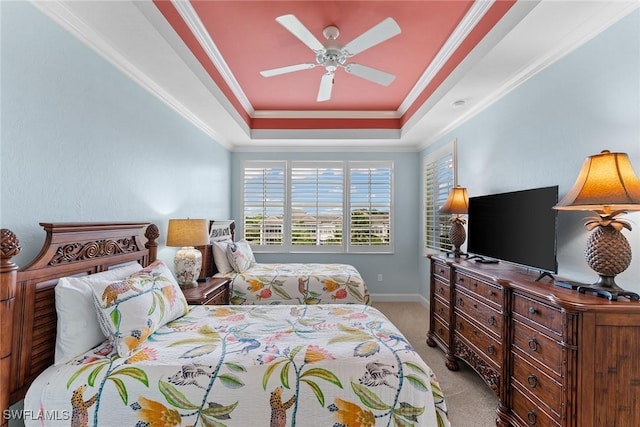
488, 373
75, 252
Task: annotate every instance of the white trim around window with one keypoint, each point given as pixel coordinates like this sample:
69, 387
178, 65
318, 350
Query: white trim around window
301, 206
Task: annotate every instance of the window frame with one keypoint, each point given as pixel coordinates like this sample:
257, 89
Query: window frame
346, 166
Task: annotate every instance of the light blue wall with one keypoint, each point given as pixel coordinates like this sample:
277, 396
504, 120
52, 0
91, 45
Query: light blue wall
540, 134
399, 270
81, 142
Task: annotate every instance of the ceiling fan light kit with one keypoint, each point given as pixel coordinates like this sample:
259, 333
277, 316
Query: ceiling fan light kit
331, 55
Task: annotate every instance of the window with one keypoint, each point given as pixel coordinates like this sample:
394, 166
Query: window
439, 178
303, 206
264, 203
370, 207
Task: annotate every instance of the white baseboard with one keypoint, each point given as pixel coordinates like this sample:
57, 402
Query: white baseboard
400, 298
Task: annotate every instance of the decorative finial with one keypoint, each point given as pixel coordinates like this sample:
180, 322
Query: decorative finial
9, 244
152, 232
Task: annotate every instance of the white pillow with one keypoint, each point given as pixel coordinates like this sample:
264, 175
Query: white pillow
220, 256
78, 328
240, 256
131, 309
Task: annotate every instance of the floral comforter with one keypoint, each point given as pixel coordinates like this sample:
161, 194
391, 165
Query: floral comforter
293, 283
261, 365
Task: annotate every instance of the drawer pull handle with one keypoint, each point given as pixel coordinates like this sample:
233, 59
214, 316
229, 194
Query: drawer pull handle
475, 305
475, 332
475, 284
532, 310
460, 302
532, 380
461, 279
440, 331
441, 290
441, 310
491, 349
491, 321
442, 271
459, 326
491, 292
533, 344
532, 418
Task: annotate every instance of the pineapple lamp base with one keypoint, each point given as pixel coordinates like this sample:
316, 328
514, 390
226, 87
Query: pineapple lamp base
608, 253
457, 236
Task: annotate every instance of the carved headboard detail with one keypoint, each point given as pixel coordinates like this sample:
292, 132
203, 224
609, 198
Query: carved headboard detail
27, 303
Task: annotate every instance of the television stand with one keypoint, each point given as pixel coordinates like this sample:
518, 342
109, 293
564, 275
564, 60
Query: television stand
552, 356
545, 274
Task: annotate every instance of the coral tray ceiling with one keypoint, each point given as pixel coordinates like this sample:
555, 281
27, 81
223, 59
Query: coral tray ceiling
235, 40
437, 63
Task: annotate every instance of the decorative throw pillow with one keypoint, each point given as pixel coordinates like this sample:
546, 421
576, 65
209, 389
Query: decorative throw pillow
240, 256
220, 256
78, 329
132, 309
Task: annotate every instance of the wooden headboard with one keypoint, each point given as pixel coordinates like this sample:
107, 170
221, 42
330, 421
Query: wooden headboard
218, 230
27, 304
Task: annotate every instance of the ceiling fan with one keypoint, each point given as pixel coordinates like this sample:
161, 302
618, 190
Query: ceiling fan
332, 54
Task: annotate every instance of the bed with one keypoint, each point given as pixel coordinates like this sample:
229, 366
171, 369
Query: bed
277, 365
280, 283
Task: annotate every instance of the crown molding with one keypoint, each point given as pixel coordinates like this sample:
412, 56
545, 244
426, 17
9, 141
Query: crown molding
193, 21
468, 23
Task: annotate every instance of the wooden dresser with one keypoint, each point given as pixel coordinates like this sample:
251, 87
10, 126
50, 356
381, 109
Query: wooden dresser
552, 356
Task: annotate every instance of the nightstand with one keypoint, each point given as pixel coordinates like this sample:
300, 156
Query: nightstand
213, 291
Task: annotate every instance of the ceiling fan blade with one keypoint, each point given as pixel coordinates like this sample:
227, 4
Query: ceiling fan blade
374, 35
295, 27
287, 69
326, 84
376, 76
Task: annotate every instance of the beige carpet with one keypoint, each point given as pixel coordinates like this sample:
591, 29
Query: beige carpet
470, 402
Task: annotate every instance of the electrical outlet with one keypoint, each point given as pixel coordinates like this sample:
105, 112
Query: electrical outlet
379, 277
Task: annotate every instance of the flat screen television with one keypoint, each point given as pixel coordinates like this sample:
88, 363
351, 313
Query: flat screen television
519, 227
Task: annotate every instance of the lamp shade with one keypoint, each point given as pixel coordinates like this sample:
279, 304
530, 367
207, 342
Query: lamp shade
457, 202
188, 232
606, 182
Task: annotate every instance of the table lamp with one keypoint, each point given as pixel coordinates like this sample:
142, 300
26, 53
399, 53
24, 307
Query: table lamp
608, 186
457, 203
187, 233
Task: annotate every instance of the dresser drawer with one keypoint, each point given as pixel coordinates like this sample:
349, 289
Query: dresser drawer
529, 413
539, 313
489, 317
538, 385
491, 292
441, 309
490, 348
538, 347
442, 289
221, 298
441, 330
442, 270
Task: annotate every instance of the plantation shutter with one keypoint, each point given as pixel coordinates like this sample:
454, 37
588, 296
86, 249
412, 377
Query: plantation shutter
317, 199
264, 185
439, 178
370, 204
